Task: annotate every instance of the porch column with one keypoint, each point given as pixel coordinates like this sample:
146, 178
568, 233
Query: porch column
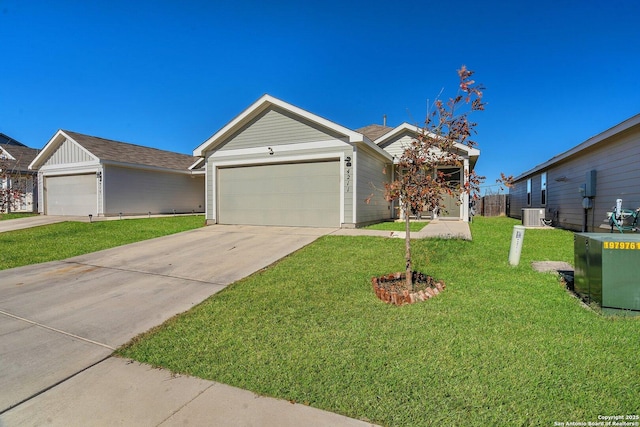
465, 195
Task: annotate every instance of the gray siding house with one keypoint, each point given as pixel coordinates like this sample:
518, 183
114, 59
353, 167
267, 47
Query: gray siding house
577, 188
84, 175
15, 174
277, 164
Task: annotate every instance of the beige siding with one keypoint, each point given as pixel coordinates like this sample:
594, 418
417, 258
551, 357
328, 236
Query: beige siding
135, 192
616, 161
397, 146
68, 152
276, 127
371, 178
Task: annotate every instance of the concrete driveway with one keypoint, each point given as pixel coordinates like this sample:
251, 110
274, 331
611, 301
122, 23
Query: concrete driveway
57, 319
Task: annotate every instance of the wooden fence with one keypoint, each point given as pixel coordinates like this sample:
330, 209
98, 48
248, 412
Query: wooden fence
493, 205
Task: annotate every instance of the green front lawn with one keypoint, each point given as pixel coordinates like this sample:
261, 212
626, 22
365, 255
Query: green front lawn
501, 346
66, 239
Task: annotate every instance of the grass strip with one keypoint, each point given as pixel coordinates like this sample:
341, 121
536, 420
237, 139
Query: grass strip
14, 215
67, 239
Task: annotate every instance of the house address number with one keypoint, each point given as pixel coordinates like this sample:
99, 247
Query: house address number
621, 245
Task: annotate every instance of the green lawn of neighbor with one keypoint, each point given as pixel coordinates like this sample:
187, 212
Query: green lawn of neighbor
501, 346
66, 239
15, 215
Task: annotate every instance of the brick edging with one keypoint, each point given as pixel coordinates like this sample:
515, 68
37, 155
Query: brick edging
404, 297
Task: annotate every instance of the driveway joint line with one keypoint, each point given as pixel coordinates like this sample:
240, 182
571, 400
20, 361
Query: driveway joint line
185, 405
146, 273
59, 331
46, 389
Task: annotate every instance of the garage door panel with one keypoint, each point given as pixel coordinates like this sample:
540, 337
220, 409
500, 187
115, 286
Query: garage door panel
301, 194
71, 195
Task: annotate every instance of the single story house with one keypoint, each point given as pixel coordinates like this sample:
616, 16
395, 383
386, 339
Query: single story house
576, 189
15, 175
84, 175
277, 164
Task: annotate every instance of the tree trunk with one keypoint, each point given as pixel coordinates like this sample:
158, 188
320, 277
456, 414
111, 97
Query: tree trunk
407, 245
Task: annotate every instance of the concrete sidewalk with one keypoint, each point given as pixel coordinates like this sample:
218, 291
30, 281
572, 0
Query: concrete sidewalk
443, 229
119, 392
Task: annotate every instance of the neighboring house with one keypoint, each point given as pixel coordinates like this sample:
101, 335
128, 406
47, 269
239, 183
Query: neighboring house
277, 164
577, 188
395, 140
15, 175
84, 175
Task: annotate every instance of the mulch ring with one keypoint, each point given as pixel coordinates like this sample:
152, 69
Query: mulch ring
393, 289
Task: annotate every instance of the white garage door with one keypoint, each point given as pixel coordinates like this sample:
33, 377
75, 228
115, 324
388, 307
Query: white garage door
296, 194
71, 195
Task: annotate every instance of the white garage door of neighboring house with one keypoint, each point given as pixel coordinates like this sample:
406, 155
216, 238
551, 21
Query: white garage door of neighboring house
71, 195
296, 194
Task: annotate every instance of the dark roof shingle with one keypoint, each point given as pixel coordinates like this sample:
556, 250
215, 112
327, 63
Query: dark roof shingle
22, 154
374, 132
123, 152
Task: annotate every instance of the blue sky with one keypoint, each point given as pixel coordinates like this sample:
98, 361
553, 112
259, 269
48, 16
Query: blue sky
169, 74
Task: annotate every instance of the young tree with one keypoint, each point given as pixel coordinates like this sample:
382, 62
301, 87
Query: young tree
505, 180
420, 182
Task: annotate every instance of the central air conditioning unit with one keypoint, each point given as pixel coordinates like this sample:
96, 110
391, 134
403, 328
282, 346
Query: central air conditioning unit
532, 217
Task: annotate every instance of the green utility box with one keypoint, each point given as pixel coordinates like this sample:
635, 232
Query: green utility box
607, 271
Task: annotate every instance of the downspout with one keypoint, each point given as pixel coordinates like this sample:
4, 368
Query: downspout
100, 176
393, 178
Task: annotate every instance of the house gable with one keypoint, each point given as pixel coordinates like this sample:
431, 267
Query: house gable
398, 139
69, 152
5, 155
398, 143
277, 119
277, 126
62, 150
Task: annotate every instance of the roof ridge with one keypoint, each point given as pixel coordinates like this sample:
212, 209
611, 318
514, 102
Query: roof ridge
71, 133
